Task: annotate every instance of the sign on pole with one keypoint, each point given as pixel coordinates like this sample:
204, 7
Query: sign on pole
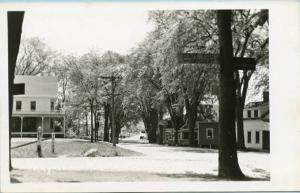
200, 58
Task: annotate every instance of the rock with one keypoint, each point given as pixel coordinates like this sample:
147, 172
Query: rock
90, 153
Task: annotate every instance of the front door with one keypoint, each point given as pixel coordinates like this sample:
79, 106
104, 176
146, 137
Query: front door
266, 140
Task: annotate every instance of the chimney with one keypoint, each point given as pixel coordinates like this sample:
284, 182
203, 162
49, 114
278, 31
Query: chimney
266, 96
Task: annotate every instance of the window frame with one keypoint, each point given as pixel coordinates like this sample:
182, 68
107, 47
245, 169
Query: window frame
185, 135
249, 137
31, 103
255, 113
257, 137
249, 114
18, 102
52, 106
212, 133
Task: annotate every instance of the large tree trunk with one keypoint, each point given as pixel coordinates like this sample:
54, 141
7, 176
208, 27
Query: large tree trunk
14, 25
150, 120
154, 125
191, 124
228, 161
106, 121
191, 109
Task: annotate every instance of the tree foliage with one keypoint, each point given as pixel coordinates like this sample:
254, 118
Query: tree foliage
34, 57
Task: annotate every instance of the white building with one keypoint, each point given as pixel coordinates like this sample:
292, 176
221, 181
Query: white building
37, 107
256, 124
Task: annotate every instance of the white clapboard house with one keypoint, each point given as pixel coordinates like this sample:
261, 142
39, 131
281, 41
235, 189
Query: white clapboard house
256, 124
37, 107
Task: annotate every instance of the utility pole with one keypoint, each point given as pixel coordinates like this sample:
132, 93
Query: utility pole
112, 79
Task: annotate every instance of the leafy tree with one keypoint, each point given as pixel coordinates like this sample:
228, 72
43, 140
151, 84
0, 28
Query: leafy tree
250, 39
140, 82
61, 69
184, 31
85, 84
34, 57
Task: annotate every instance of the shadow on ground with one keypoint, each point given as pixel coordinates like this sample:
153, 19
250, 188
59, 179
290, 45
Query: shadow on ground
14, 180
192, 176
195, 150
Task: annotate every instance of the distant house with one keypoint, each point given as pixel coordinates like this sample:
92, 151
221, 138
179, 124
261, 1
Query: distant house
256, 124
256, 128
206, 130
37, 107
206, 134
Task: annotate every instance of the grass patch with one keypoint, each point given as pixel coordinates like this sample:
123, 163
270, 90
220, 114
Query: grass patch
70, 148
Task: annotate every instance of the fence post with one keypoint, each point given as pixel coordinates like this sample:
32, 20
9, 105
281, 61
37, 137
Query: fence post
53, 143
39, 136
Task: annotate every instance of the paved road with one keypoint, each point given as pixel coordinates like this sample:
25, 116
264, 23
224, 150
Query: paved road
156, 159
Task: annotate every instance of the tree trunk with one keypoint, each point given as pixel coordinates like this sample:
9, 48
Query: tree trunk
118, 131
96, 126
92, 121
241, 98
106, 120
228, 160
240, 124
110, 126
191, 124
160, 128
14, 26
86, 125
150, 127
154, 125
160, 137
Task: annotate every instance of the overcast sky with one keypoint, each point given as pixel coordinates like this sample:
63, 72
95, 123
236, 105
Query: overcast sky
78, 30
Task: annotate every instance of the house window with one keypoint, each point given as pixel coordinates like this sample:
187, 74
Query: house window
257, 137
255, 113
249, 136
18, 105
185, 135
52, 105
209, 133
32, 105
249, 113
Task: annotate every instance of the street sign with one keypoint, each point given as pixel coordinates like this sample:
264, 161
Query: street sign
198, 58
244, 63
18, 89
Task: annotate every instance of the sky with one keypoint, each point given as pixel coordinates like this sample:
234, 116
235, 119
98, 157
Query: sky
76, 31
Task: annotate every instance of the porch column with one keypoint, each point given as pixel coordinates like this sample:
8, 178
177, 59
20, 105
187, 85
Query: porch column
21, 126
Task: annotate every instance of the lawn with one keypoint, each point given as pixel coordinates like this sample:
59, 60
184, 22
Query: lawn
69, 148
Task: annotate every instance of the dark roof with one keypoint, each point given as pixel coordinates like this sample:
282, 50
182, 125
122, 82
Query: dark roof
254, 104
266, 116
